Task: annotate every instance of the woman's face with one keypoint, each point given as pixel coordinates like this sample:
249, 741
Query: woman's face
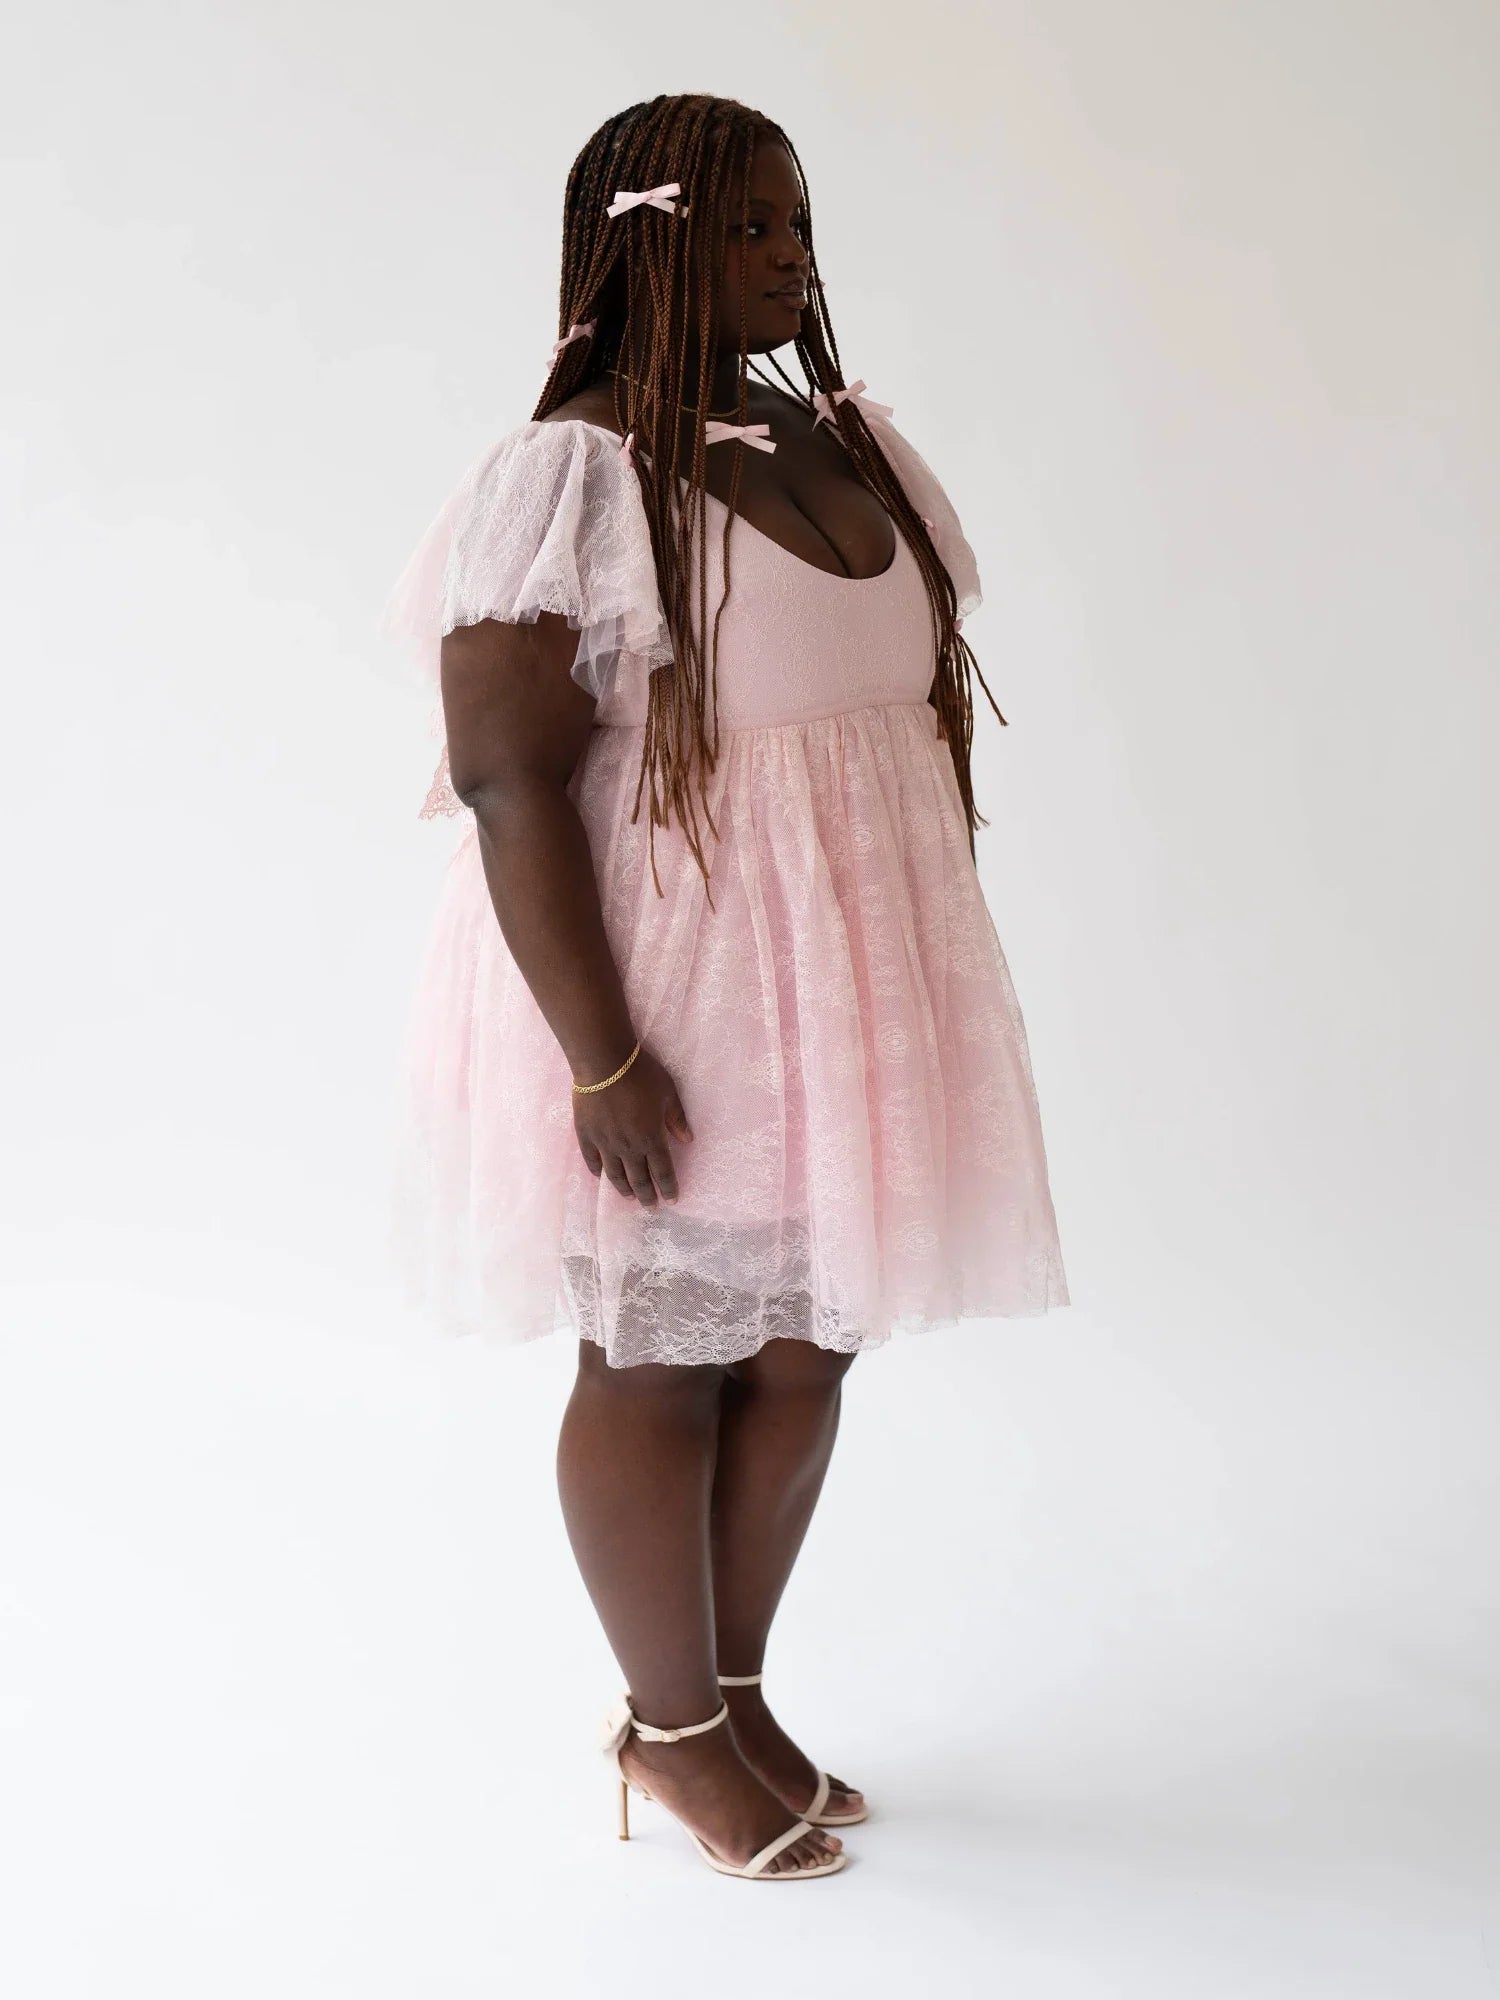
773, 255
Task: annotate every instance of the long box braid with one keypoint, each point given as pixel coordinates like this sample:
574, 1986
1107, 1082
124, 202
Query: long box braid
611, 268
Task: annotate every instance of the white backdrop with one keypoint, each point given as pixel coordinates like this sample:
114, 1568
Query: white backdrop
1161, 1631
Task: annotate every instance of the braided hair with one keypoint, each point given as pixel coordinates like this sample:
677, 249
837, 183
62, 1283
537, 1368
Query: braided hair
648, 279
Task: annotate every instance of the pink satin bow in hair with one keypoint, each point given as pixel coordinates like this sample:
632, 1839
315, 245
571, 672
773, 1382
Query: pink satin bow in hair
824, 405
757, 434
658, 197
573, 333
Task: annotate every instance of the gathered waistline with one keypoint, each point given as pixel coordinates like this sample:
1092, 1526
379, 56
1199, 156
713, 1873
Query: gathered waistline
796, 721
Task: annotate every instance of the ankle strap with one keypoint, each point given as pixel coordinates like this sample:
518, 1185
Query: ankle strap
648, 1734
739, 1680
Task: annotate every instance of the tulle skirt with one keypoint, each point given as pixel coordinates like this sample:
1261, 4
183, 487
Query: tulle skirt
841, 1027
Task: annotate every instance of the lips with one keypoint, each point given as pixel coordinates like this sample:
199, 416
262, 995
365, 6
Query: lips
798, 292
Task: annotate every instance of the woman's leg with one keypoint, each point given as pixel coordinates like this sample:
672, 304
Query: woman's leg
635, 1467
780, 1415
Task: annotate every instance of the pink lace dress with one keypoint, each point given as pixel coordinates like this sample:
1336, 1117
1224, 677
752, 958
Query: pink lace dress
841, 1025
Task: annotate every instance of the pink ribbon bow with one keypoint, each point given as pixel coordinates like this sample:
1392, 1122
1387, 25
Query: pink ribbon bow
824, 405
757, 434
658, 197
573, 333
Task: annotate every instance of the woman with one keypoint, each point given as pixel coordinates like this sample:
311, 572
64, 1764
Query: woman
737, 1084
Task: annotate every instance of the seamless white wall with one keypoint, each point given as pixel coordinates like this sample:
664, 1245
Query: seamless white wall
1194, 309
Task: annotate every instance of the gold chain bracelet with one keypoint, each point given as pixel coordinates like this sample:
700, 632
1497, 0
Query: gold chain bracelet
583, 1088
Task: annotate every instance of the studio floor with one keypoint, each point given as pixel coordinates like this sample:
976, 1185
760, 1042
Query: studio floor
298, 1687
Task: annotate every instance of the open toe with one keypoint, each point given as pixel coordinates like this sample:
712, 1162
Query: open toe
832, 1802
796, 1851
842, 1807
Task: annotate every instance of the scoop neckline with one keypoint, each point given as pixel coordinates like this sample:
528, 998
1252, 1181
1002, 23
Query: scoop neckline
833, 575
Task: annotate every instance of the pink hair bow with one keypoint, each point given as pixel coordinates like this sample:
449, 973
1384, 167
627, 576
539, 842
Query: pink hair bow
757, 434
658, 197
573, 333
824, 405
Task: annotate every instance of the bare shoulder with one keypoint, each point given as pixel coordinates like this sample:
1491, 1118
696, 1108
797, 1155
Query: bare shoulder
593, 405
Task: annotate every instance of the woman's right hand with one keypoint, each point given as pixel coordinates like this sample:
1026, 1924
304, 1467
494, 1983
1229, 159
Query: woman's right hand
624, 1129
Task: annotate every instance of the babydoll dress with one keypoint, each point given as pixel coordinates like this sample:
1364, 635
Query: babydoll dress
840, 1024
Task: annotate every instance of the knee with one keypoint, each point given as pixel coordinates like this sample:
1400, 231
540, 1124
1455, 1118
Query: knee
793, 1368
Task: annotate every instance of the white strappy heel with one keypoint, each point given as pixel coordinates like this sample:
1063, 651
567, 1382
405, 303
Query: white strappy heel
618, 1725
813, 1814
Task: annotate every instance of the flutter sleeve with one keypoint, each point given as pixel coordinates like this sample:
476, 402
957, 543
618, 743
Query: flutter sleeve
926, 494
549, 519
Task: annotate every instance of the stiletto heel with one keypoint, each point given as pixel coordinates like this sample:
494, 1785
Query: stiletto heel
619, 1724
813, 1814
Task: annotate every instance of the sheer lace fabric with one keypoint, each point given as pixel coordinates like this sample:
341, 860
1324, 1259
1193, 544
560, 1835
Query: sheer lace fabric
549, 519
842, 1026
